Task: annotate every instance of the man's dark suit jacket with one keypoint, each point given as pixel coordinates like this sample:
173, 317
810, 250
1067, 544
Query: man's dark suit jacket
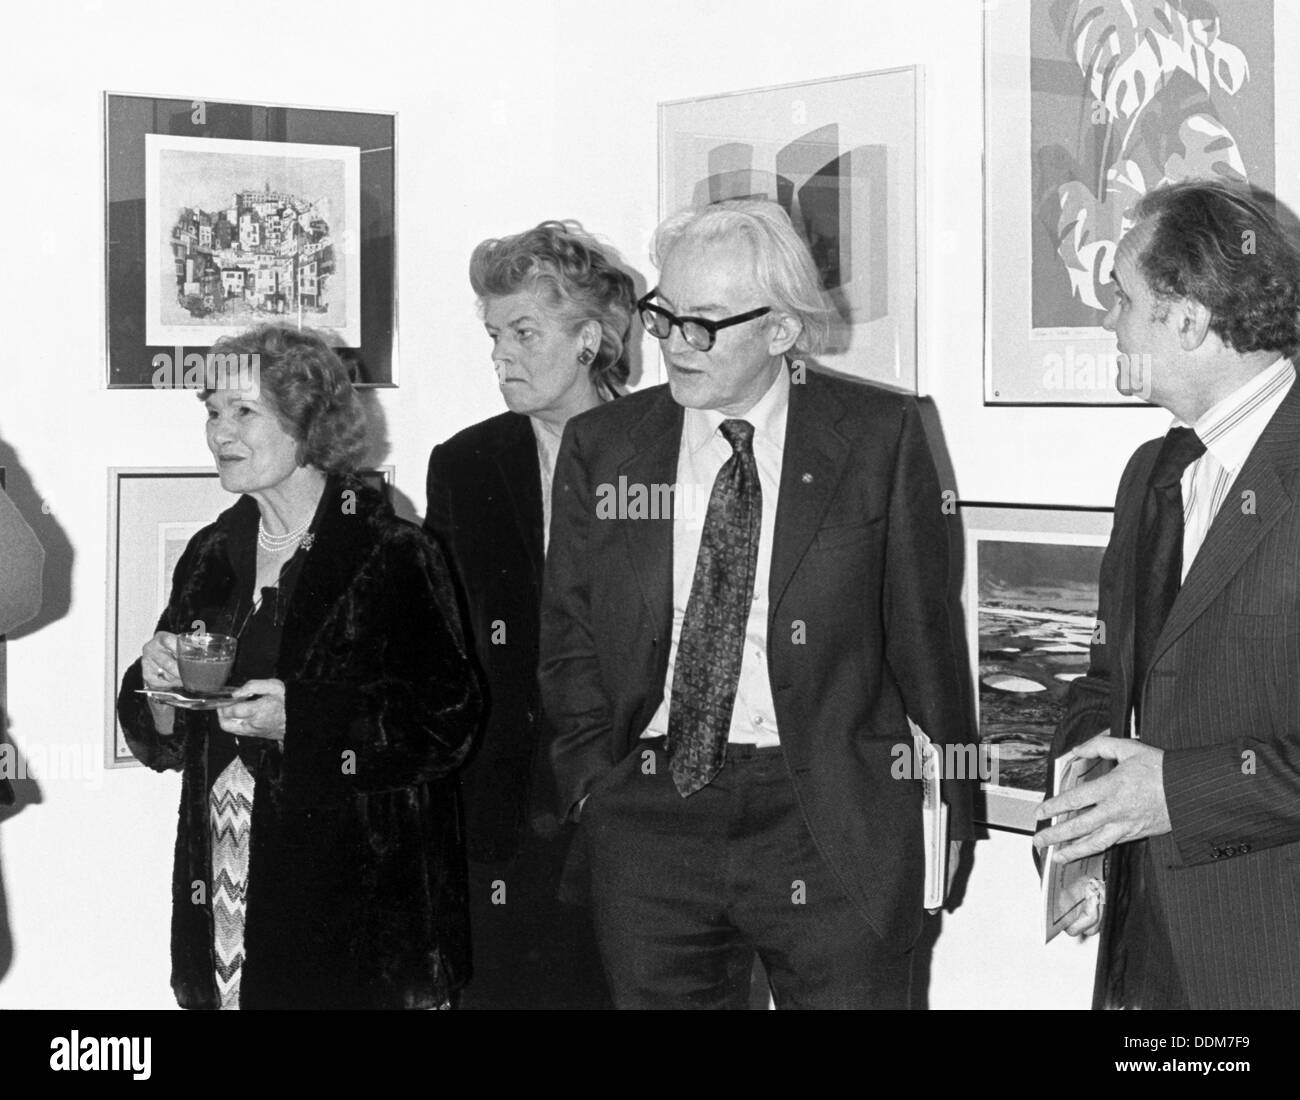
862, 629
1222, 697
485, 507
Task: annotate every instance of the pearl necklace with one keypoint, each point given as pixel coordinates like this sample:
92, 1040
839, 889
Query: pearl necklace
275, 544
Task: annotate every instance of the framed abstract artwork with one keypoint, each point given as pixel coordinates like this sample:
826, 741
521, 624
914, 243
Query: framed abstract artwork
153, 512
220, 216
842, 157
1089, 105
1031, 608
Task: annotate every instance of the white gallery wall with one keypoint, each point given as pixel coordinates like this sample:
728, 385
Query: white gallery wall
508, 113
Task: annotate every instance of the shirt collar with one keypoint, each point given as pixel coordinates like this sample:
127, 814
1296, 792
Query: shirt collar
1231, 427
768, 418
547, 436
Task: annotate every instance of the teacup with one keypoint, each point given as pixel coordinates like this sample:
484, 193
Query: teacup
205, 661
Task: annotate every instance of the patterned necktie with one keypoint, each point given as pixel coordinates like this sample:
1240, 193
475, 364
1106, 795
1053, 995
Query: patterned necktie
712, 643
1160, 547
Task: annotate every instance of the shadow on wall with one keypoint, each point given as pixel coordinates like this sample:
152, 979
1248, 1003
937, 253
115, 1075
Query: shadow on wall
636, 363
933, 926
56, 597
378, 448
56, 591
923, 950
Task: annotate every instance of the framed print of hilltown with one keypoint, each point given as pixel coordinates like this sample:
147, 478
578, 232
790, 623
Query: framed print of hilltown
223, 215
1088, 106
233, 253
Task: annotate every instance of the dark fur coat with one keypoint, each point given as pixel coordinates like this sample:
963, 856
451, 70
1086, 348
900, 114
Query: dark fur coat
356, 891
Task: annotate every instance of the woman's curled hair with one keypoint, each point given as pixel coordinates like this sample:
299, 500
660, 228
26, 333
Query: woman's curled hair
580, 279
305, 382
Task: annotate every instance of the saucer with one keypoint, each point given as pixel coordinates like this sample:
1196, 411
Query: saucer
190, 700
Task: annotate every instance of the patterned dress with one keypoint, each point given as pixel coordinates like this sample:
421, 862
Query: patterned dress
230, 817
230, 803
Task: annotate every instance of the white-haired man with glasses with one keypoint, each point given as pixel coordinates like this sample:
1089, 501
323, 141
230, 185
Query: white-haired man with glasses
728, 688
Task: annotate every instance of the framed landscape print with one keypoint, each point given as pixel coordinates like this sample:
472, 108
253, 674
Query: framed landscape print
153, 512
220, 216
1031, 608
1089, 105
841, 156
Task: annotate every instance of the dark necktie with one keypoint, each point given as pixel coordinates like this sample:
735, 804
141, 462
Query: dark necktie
712, 642
1136, 967
1160, 548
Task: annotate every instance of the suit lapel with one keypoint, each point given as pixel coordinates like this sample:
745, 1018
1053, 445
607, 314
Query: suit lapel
811, 467
1236, 532
810, 470
1119, 633
656, 439
521, 472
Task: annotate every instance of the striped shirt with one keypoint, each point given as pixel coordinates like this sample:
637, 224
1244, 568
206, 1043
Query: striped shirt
1229, 431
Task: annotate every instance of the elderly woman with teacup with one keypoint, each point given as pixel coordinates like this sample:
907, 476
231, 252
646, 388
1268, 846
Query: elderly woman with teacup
318, 861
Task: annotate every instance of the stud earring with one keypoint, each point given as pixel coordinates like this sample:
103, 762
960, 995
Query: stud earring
586, 356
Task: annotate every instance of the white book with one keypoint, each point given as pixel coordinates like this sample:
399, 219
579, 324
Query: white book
934, 817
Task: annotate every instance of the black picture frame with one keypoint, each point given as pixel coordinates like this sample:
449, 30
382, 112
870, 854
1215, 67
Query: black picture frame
129, 117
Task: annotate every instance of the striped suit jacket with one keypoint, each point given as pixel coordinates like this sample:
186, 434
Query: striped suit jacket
1222, 698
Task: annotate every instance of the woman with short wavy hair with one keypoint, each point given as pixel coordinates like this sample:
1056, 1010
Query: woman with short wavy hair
576, 284
318, 856
558, 309
307, 384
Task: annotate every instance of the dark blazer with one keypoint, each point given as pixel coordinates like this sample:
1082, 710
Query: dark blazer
1222, 697
485, 508
863, 627
356, 890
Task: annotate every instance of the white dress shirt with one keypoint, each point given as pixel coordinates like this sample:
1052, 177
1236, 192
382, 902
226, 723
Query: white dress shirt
548, 447
1229, 430
703, 452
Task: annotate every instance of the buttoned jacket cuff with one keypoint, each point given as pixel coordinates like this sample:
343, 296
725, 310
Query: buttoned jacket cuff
1206, 820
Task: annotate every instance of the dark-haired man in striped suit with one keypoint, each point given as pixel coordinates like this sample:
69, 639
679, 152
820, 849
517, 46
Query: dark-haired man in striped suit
1196, 678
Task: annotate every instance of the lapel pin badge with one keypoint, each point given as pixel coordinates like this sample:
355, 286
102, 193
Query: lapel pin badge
807, 479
